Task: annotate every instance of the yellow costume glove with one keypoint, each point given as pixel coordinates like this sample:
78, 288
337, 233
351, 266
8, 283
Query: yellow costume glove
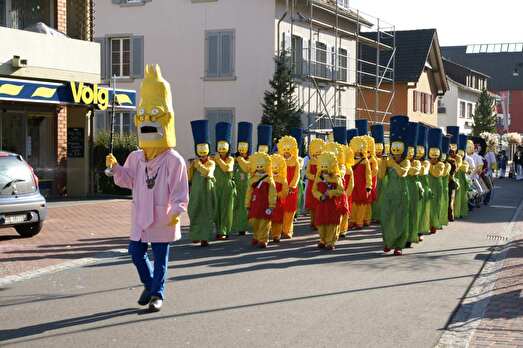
110, 161
175, 220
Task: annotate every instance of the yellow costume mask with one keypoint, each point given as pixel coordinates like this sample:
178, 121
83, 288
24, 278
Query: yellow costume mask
263, 149
279, 167
434, 153
359, 147
420, 152
154, 118
243, 148
260, 164
379, 149
461, 153
470, 147
387, 149
202, 150
410, 153
316, 147
328, 164
397, 148
223, 148
288, 147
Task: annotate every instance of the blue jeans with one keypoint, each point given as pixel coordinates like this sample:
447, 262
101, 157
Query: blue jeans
152, 278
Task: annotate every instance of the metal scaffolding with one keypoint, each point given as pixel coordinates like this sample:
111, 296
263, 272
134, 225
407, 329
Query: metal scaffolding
324, 74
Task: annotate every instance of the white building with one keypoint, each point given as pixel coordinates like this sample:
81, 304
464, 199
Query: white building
218, 56
457, 106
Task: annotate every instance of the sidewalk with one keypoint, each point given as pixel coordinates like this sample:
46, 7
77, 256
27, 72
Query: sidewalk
491, 313
73, 230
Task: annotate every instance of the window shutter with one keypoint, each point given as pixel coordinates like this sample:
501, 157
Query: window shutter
211, 54
305, 60
226, 57
287, 42
137, 58
432, 99
118, 2
415, 101
103, 57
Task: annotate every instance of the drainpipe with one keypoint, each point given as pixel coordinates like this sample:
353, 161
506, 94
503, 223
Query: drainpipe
279, 22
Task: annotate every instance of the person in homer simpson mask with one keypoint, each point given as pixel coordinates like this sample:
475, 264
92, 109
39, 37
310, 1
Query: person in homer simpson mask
157, 176
225, 188
241, 177
202, 196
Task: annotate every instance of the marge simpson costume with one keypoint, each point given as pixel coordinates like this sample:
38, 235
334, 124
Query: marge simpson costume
225, 187
395, 210
261, 198
202, 196
327, 189
157, 176
416, 190
378, 133
437, 169
363, 131
241, 177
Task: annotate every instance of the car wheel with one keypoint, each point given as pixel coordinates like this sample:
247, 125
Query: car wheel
29, 230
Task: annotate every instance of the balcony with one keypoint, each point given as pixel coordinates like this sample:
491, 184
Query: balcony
49, 57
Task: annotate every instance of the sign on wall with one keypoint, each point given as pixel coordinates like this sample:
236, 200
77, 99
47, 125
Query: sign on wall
75, 142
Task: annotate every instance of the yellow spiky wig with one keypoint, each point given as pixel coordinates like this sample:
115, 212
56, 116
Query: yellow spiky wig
349, 156
277, 161
261, 160
288, 144
328, 160
316, 147
371, 145
359, 146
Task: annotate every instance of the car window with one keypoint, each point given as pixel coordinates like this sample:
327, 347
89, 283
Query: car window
15, 176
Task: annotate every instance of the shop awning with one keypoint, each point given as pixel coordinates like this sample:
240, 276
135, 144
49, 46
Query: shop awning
70, 93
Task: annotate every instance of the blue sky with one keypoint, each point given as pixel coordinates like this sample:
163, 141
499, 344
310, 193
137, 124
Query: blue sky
457, 21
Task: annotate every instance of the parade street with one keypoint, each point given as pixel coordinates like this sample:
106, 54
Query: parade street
291, 294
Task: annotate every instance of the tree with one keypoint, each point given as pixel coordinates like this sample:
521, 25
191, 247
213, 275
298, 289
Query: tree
280, 108
484, 116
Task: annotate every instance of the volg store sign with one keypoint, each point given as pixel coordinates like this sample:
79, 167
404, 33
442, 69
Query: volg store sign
71, 93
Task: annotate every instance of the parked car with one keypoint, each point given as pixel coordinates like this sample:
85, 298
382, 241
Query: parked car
21, 204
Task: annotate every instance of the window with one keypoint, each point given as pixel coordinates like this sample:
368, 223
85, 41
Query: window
342, 64
462, 106
297, 55
469, 110
215, 115
123, 122
321, 59
120, 57
219, 54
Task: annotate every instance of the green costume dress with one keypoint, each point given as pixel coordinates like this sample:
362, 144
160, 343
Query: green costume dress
414, 207
462, 207
395, 210
241, 180
435, 184
202, 202
424, 221
444, 207
225, 197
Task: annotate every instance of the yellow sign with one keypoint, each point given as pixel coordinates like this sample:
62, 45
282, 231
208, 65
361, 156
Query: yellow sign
90, 95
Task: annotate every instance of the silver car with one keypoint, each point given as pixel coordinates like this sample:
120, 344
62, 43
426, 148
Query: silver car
21, 204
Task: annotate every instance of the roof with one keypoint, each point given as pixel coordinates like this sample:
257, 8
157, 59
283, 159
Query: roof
414, 48
332, 5
498, 65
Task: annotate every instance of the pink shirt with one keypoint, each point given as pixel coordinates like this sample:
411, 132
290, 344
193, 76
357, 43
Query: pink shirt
153, 208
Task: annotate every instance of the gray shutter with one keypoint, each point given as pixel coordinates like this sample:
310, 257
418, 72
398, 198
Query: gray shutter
118, 2
211, 53
137, 58
226, 58
103, 56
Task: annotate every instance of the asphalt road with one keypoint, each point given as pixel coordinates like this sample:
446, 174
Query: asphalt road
290, 295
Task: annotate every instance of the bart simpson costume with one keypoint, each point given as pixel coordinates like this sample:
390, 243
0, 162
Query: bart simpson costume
241, 177
279, 172
157, 176
261, 198
225, 187
288, 149
395, 210
202, 196
327, 189
362, 182
315, 149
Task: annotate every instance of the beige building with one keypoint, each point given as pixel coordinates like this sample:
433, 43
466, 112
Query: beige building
219, 57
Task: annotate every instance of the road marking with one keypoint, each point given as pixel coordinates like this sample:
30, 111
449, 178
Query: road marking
61, 266
472, 308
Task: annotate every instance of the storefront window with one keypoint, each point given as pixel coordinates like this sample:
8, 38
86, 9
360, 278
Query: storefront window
24, 13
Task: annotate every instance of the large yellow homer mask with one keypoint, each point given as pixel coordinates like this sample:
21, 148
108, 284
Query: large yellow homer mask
155, 114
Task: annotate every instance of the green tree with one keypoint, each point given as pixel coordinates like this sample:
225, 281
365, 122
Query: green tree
280, 107
484, 115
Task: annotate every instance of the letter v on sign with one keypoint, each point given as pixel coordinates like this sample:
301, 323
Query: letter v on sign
77, 93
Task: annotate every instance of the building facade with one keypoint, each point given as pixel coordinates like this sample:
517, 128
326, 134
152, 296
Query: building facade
503, 62
49, 90
457, 106
419, 78
219, 57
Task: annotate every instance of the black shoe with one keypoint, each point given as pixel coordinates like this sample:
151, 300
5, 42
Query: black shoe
145, 298
155, 304
242, 233
408, 245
